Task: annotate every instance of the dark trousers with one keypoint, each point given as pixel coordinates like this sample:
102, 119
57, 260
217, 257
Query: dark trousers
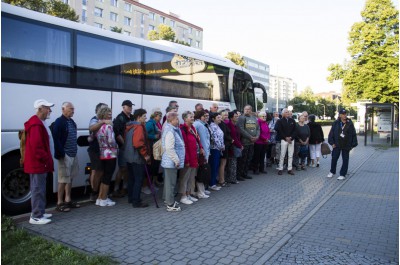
243, 162
38, 191
136, 174
214, 164
259, 156
345, 158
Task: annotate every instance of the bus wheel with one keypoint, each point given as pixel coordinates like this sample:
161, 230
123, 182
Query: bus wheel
15, 187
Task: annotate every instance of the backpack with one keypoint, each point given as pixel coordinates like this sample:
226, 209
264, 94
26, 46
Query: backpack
22, 142
157, 150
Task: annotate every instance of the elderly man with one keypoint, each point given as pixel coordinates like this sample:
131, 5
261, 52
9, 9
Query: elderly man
38, 161
286, 128
343, 138
249, 133
65, 135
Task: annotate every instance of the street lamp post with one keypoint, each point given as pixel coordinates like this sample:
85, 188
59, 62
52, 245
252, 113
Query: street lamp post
316, 103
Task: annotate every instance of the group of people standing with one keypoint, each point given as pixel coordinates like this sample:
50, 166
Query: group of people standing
211, 149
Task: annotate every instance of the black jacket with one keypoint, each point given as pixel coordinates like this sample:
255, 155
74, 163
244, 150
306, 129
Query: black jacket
286, 128
316, 133
350, 134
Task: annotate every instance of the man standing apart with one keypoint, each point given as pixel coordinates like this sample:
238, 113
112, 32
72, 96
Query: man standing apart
249, 133
38, 161
65, 135
119, 130
286, 128
343, 138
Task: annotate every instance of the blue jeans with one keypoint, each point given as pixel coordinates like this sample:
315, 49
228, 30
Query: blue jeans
135, 180
214, 164
345, 158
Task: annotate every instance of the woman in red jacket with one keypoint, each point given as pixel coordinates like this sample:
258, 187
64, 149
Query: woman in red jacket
192, 151
237, 145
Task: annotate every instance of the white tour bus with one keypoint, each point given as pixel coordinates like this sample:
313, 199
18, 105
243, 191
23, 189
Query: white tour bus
59, 60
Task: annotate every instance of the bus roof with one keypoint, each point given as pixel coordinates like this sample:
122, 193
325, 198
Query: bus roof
159, 45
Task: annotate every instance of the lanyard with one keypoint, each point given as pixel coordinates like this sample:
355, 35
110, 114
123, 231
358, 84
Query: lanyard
342, 126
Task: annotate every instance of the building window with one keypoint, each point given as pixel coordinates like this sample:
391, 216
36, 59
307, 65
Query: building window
172, 23
128, 7
142, 19
98, 12
113, 16
185, 31
162, 20
127, 33
114, 2
197, 44
152, 16
98, 25
142, 33
197, 33
190, 42
127, 21
84, 2
84, 16
65, 1
151, 27
190, 30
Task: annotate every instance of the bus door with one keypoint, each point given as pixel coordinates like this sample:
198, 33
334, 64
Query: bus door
243, 91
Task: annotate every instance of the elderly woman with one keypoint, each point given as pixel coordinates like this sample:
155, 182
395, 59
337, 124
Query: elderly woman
260, 146
302, 138
108, 155
173, 158
228, 145
153, 128
216, 148
232, 158
192, 151
137, 156
316, 138
201, 125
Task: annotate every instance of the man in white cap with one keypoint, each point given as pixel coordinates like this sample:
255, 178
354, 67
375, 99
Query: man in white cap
38, 159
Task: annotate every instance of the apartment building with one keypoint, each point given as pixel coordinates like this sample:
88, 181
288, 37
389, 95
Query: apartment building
281, 90
135, 19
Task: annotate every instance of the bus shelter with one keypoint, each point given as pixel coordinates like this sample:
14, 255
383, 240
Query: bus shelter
381, 123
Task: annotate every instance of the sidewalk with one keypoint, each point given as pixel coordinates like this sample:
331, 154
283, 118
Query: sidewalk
270, 219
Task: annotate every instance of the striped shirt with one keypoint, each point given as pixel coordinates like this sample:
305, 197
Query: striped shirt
70, 147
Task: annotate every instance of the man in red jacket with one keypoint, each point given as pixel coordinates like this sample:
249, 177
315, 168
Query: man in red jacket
38, 159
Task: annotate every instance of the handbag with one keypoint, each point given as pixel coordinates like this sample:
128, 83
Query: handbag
237, 152
157, 150
204, 171
326, 149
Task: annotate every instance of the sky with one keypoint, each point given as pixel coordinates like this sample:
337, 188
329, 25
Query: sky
297, 39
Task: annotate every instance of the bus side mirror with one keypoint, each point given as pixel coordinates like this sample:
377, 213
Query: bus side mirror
265, 97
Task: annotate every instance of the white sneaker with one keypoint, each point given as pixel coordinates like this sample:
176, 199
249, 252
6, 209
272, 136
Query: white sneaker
47, 215
39, 221
202, 196
207, 192
98, 202
146, 190
106, 202
215, 187
173, 208
185, 200
330, 175
341, 178
193, 199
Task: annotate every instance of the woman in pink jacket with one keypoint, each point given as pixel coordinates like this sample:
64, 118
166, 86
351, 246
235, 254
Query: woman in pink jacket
260, 146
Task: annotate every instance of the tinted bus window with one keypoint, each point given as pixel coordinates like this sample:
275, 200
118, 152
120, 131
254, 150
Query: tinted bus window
162, 78
35, 53
107, 64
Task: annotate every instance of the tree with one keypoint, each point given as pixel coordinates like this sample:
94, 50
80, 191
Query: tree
116, 29
236, 58
163, 32
260, 104
373, 72
53, 7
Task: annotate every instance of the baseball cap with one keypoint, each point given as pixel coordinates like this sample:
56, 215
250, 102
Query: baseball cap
42, 102
127, 103
342, 111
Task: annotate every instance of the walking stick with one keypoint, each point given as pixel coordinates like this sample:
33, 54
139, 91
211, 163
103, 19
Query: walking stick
151, 186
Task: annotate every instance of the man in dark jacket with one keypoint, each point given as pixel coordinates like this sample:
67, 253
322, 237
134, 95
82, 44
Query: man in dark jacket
286, 129
38, 161
343, 138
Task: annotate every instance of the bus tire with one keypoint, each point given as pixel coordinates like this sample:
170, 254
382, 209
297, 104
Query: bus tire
15, 186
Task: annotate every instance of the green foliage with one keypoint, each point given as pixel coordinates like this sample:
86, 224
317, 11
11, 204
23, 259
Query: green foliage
182, 42
373, 72
116, 29
19, 247
7, 223
52, 7
260, 104
236, 58
163, 32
